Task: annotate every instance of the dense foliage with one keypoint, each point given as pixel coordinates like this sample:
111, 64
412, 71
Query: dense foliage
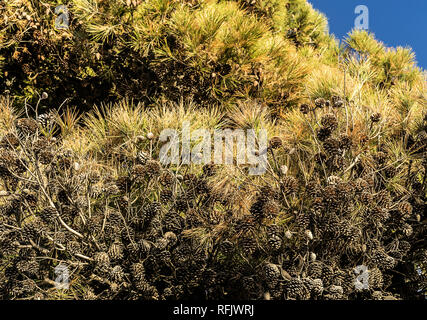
81, 184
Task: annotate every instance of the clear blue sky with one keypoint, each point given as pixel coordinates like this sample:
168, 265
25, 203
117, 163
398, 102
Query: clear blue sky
394, 22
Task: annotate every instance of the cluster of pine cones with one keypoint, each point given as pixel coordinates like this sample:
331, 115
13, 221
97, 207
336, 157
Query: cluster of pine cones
150, 232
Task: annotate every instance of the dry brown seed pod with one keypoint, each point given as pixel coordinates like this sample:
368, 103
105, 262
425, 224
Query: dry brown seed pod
153, 168
289, 184
376, 117
275, 142
405, 209
337, 102
329, 121
9, 141
320, 102
323, 133
304, 108
27, 125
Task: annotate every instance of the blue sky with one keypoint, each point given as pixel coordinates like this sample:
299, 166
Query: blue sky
394, 22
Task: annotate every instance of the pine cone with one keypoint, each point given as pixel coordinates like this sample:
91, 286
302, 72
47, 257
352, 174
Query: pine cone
152, 168
405, 209
332, 146
315, 270
289, 185
274, 242
248, 245
320, 102
329, 121
345, 142
295, 289
27, 125
271, 274
376, 117
337, 102
275, 143
9, 141
304, 108
323, 133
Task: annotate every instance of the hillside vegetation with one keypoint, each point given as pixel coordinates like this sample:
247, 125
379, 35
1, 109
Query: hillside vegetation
81, 183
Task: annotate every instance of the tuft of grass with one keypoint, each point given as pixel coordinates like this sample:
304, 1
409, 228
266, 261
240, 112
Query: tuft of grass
8, 114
